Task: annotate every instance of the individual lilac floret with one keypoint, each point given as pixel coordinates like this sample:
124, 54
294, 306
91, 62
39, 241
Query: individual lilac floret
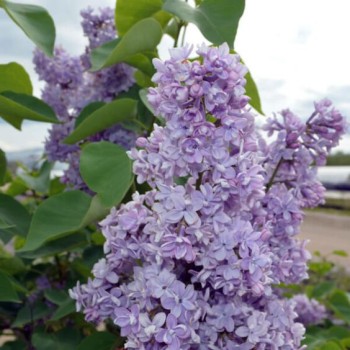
310, 311
69, 87
197, 256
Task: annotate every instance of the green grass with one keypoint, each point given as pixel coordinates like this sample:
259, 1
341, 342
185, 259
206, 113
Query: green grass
338, 159
334, 206
329, 211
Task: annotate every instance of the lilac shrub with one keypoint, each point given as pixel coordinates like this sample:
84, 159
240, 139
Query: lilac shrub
69, 87
191, 264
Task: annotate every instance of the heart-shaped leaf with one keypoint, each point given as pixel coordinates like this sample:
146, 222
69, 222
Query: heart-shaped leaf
107, 170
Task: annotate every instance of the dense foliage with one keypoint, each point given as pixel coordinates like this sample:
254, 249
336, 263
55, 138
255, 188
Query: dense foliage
184, 238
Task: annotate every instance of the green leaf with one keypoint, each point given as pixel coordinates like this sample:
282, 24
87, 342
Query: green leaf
12, 265
16, 187
143, 97
172, 28
253, 92
98, 238
3, 166
89, 109
346, 343
14, 214
28, 314
143, 37
102, 118
142, 79
100, 54
98, 340
4, 225
321, 338
66, 339
7, 290
66, 308
16, 107
338, 332
67, 244
56, 296
91, 255
128, 13
35, 22
41, 182
19, 286
61, 215
56, 186
57, 216
107, 170
42, 341
321, 268
13, 77
322, 289
342, 253
14, 345
79, 266
331, 345
216, 19
142, 61
340, 304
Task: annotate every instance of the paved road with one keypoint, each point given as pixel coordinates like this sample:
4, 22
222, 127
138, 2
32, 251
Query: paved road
326, 233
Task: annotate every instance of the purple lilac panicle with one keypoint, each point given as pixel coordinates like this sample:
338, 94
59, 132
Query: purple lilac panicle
69, 87
310, 311
197, 256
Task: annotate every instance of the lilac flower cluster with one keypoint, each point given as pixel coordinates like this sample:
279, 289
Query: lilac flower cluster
299, 145
191, 263
70, 87
291, 179
310, 311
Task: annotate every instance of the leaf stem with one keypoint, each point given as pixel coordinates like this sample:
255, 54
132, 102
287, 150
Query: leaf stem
311, 117
179, 27
199, 180
184, 35
133, 186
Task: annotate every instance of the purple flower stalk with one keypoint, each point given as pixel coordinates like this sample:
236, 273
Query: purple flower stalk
69, 87
197, 256
310, 311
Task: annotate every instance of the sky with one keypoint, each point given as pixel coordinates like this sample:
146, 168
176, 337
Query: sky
296, 50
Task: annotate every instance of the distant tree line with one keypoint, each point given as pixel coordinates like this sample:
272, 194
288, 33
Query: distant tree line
339, 159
